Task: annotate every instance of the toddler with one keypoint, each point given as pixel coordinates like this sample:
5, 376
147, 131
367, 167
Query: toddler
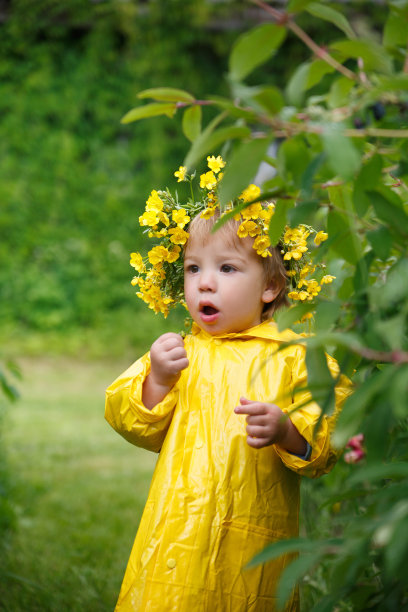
215, 407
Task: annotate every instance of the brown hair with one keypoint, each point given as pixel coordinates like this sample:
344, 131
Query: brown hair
274, 269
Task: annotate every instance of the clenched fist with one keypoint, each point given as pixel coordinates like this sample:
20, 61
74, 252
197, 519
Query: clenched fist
168, 358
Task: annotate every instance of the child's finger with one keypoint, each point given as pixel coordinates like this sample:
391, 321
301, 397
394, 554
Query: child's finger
251, 408
257, 442
255, 431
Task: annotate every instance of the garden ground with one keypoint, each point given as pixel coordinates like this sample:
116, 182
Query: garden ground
79, 491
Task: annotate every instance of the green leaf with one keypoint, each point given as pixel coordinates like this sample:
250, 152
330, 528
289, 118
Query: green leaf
326, 315
208, 142
330, 14
270, 98
241, 169
286, 318
297, 84
192, 122
293, 545
396, 551
234, 110
339, 94
295, 6
283, 547
309, 173
344, 159
381, 241
397, 82
292, 574
366, 180
372, 54
303, 212
279, 220
341, 226
166, 94
393, 290
149, 110
395, 31
390, 213
352, 414
379, 471
317, 70
293, 159
253, 48
345, 242
319, 379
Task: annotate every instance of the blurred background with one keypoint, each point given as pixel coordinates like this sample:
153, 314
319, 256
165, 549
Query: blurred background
73, 182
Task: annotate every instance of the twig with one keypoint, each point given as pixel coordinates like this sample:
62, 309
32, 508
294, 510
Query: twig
285, 19
397, 356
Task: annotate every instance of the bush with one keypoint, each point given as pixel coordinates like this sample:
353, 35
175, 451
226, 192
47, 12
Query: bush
342, 165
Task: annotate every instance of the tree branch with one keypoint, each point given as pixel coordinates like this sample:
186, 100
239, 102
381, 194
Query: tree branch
285, 19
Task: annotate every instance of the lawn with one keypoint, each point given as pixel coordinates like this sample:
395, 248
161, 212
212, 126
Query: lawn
79, 491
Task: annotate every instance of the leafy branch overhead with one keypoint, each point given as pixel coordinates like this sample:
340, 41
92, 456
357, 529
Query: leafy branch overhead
333, 148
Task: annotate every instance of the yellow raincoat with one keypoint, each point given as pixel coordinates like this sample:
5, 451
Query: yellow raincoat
214, 501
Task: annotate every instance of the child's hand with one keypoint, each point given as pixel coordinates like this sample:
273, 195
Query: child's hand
168, 357
267, 424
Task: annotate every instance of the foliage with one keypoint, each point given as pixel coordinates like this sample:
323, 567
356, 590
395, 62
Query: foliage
342, 166
72, 179
9, 373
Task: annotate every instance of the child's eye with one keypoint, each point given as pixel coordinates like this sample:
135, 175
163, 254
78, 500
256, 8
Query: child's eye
227, 268
192, 268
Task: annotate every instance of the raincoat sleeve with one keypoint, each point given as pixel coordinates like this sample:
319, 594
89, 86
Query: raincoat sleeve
126, 413
323, 455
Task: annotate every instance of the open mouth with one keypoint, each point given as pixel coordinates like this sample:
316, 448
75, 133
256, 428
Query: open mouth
209, 310
208, 313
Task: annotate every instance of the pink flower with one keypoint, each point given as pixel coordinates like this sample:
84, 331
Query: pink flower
357, 452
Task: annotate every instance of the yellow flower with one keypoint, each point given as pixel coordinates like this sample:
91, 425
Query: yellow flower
248, 228
261, 245
178, 235
326, 280
215, 163
296, 234
250, 193
208, 212
252, 212
307, 269
304, 295
173, 254
154, 202
157, 254
208, 180
293, 295
160, 234
295, 253
180, 174
180, 217
211, 198
136, 261
266, 213
135, 281
313, 287
149, 218
320, 237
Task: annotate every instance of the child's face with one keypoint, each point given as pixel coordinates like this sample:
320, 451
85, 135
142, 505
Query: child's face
224, 284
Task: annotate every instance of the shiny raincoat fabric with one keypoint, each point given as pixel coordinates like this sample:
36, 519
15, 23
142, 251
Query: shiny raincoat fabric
214, 501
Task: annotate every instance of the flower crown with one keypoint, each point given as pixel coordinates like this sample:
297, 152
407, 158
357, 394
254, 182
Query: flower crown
161, 273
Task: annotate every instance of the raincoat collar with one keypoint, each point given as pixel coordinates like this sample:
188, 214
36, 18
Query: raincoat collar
267, 330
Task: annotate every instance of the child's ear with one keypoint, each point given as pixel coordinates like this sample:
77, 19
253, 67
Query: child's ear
270, 293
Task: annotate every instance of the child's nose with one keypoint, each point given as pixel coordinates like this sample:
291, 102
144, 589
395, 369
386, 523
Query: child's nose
207, 281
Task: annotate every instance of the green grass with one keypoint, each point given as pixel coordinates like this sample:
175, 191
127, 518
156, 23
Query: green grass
79, 491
